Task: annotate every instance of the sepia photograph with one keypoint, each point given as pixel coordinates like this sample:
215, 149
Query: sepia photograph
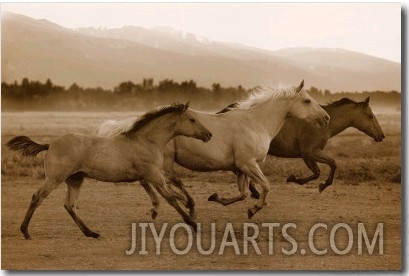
201, 136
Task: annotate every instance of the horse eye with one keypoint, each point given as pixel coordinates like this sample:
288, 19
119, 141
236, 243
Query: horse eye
307, 101
192, 120
370, 117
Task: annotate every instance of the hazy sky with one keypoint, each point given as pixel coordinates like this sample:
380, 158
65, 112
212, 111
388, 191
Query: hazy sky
372, 28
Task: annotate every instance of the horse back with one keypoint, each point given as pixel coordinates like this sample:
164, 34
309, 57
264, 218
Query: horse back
112, 159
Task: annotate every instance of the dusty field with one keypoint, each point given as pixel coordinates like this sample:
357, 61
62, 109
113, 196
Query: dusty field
366, 190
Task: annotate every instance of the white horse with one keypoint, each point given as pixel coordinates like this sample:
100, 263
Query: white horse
240, 141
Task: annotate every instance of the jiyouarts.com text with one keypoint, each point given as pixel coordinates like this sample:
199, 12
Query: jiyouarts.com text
250, 238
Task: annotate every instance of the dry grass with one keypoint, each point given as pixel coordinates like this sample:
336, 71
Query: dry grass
365, 190
358, 158
14, 164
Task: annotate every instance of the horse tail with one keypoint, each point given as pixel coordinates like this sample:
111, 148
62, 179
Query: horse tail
26, 146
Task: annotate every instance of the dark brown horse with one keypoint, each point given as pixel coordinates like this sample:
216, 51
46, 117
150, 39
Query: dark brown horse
300, 139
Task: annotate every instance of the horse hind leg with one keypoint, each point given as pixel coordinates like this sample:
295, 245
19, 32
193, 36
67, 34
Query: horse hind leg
38, 197
312, 165
74, 183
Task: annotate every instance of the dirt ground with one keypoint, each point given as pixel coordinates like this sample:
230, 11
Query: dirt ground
366, 190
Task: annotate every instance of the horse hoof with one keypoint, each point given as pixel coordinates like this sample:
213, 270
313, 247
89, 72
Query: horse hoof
25, 233
291, 178
321, 187
255, 195
192, 214
213, 197
194, 225
92, 235
154, 214
250, 213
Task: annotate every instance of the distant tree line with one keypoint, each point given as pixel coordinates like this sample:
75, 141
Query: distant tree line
128, 96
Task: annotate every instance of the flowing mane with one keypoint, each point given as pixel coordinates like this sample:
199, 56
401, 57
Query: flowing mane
261, 95
258, 96
342, 101
152, 115
228, 108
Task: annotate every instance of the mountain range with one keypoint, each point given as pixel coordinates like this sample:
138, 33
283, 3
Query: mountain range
90, 57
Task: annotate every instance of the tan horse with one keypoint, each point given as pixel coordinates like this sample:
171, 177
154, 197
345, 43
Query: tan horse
241, 139
135, 155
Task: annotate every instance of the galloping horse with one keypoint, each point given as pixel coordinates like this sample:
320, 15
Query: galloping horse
300, 139
137, 154
241, 139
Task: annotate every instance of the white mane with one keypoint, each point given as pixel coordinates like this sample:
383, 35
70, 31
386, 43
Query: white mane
113, 128
261, 95
258, 96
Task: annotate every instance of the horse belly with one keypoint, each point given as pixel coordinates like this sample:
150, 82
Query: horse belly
284, 151
199, 156
113, 173
284, 145
113, 165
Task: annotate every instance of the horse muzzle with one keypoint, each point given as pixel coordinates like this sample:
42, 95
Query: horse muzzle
379, 138
205, 136
323, 121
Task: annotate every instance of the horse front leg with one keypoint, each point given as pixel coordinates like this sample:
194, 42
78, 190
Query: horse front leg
323, 158
168, 164
158, 181
312, 165
254, 192
154, 198
188, 201
243, 184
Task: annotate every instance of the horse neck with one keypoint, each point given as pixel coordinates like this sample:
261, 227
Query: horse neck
342, 117
263, 115
160, 131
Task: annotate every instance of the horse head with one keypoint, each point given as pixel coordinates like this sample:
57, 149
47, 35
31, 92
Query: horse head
366, 121
305, 107
189, 125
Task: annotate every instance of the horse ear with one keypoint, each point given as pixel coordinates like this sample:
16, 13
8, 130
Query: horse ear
186, 106
367, 100
299, 88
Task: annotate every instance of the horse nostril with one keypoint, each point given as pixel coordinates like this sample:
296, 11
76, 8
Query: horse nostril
326, 118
